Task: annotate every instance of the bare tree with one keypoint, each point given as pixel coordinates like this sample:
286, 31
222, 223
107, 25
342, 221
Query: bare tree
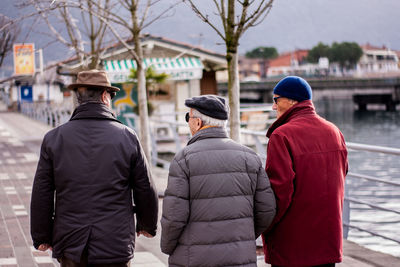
132, 16
124, 18
73, 24
230, 28
8, 36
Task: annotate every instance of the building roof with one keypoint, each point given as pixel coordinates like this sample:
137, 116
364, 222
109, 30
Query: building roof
368, 46
49, 74
286, 59
156, 47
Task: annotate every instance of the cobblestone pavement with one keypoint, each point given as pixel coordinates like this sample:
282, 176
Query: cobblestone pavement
20, 140
17, 167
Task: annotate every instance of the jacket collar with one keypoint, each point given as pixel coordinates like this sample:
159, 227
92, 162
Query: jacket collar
93, 110
213, 132
302, 108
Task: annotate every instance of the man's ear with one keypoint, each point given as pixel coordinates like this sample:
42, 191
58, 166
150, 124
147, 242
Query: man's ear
199, 123
104, 98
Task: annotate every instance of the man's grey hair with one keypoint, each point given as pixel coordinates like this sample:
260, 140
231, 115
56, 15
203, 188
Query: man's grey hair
85, 94
209, 121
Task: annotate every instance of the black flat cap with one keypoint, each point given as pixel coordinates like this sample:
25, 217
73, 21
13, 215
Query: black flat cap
210, 105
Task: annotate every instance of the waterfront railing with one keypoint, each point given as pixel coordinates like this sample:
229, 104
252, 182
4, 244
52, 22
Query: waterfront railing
259, 144
164, 131
52, 115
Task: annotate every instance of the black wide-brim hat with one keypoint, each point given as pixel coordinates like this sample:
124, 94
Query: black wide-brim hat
95, 79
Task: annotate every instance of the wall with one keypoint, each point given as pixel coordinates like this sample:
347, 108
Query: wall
41, 91
184, 90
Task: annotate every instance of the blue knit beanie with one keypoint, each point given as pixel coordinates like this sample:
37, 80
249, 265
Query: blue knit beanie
293, 87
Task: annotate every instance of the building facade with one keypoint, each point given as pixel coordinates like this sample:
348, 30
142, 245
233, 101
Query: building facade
377, 60
191, 71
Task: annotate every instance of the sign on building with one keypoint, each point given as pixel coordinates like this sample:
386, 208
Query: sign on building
26, 93
24, 59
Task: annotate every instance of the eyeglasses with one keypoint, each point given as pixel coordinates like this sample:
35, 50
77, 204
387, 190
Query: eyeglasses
276, 99
187, 117
112, 94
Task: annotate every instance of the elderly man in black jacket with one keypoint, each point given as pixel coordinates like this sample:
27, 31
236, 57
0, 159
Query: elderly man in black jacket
218, 199
89, 171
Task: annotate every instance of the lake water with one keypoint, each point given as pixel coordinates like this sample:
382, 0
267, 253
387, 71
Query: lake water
376, 127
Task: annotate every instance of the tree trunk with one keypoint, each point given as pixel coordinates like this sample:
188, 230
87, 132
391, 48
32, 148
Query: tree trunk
142, 99
143, 112
234, 95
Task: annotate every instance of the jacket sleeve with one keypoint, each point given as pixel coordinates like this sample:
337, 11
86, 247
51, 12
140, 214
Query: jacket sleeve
42, 200
279, 167
264, 203
144, 193
175, 207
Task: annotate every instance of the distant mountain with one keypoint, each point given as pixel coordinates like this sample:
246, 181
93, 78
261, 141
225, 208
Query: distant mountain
291, 24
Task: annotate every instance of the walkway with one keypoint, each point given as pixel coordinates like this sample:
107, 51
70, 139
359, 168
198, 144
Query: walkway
20, 139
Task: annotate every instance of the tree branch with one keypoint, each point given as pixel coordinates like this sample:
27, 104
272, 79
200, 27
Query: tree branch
58, 36
263, 9
223, 15
76, 40
15, 21
204, 18
116, 34
160, 15
146, 10
242, 20
112, 16
265, 14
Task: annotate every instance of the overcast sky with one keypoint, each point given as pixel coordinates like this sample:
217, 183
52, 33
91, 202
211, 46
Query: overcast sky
292, 24
300, 24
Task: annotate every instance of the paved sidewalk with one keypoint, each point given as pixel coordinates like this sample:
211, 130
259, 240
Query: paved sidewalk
20, 139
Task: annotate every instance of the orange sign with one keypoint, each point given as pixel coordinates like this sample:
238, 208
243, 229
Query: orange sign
24, 59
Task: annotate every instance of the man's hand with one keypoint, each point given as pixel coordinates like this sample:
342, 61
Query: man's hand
44, 247
146, 234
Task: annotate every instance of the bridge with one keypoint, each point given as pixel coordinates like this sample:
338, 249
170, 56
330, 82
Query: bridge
363, 91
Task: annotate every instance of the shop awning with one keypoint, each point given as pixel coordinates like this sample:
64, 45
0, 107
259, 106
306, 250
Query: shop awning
183, 68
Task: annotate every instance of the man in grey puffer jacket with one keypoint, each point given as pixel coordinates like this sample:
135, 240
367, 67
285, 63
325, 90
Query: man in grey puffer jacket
218, 199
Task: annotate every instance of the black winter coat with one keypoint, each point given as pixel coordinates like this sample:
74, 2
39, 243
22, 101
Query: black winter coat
88, 170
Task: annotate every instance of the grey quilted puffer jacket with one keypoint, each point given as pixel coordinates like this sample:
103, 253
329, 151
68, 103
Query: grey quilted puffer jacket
218, 201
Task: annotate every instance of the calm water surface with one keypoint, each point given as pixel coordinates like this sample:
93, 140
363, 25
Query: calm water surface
376, 127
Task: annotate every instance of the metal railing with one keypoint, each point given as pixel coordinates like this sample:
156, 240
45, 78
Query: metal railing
370, 148
259, 144
46, 113
255, 139
348, 199
5, 98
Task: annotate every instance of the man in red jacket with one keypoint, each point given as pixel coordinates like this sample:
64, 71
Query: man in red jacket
307, 165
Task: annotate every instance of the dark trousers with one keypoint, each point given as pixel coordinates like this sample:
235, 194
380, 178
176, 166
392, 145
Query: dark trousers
65, 262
